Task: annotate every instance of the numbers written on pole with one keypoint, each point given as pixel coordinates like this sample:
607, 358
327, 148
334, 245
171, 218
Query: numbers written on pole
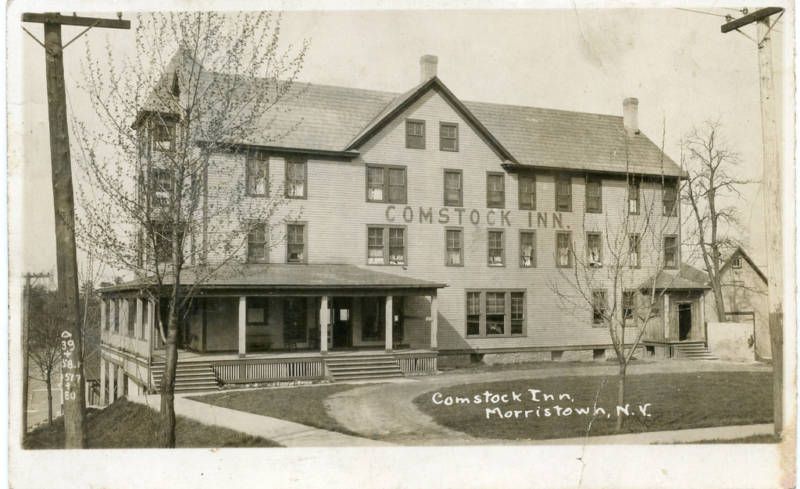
70, 374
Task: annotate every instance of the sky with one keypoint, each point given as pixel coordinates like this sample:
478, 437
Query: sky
676, 62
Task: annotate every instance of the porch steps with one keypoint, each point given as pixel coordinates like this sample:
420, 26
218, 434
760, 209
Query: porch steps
363, 367
693, 351
189, 376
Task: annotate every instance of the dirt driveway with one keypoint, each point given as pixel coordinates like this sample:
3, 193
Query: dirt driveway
387, 412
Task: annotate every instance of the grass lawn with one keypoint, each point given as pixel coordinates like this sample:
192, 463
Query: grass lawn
304, 405
677, 401
128, 425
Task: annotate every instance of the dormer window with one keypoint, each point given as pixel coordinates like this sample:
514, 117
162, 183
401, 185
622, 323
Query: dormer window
415, 134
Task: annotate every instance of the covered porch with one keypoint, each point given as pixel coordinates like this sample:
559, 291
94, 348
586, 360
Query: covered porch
680, 322
278, 322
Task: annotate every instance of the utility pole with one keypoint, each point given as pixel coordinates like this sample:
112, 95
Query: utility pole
772, 193
73, 384
26, 316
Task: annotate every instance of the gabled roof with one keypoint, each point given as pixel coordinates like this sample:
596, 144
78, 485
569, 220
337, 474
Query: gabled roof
685, 278
283, 276
739, 251
402, 102
323, 118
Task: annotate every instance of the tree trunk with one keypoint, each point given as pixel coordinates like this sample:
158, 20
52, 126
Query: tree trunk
168, 384
49, 381
719, 302
621, 393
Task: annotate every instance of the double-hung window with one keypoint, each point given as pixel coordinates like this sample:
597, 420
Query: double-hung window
415, 134
257, 243
473, 313
599, 306
517, 312
495, 190
296, 178
386, 245
496, 249
164, 135
257, 174
594, 249
633, 195
669, 198
563, 193
527, 192
386, 184
594, 194
628, 306
145, 318
563, 249
455, 247
296, 243
131, 303
448, 136
634, 250
160, 187
670, 252
453, 188
527, 249
495, 313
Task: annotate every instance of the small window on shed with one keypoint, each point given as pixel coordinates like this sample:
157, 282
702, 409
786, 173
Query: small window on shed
736, 262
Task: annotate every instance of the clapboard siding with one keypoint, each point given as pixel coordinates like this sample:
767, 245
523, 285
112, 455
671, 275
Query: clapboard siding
337, 214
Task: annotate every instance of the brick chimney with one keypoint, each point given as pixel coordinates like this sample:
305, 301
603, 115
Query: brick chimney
427, 67
630, 115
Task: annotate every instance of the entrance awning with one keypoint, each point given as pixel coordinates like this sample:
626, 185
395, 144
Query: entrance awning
685, 278
304, 279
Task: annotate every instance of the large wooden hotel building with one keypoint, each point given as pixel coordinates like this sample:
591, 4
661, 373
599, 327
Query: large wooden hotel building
425, 230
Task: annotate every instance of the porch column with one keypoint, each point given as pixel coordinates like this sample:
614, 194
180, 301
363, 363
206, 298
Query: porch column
324, 314
389, 321
703, 316
666, 316
103, 318
242, 326
434, 321
102, 381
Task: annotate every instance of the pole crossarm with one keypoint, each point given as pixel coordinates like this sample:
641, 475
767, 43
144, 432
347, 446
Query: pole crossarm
749, 19
51, 18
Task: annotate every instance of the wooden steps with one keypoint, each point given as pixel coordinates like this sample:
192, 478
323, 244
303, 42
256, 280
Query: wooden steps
693, 351
363, 367
189, 376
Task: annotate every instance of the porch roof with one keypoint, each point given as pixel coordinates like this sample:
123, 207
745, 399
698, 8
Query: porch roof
685, 278
278, 276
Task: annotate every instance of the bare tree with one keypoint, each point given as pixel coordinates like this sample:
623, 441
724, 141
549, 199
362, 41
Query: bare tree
618, 276
711, 193
45, 339
198, 85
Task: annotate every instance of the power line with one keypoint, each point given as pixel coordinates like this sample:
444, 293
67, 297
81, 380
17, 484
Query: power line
701, 12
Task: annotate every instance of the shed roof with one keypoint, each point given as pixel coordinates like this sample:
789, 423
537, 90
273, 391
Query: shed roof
278, 276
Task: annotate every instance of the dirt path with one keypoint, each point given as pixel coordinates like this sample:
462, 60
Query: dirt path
387, 411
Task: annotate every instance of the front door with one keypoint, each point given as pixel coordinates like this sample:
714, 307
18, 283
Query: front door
341, 313
684, 321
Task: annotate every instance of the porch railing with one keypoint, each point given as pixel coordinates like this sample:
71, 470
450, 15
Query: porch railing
269, 369
417, 363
